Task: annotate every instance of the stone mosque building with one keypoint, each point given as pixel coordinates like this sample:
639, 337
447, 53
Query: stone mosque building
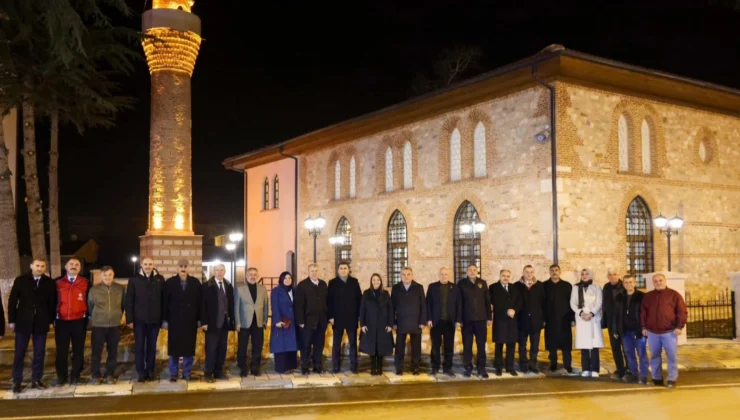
407, 185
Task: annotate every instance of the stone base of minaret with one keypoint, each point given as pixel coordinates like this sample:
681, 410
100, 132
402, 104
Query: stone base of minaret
166, 250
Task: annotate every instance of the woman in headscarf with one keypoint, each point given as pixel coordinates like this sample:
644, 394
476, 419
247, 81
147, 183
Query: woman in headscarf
283, 342
585, 300
376, 322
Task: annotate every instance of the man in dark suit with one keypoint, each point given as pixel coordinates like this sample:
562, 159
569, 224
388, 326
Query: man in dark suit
32, 308
311, 317
217, 317
410, 315
443, 313
181, 317
531, 318
506, 305
475, 307
343, 301
144, 315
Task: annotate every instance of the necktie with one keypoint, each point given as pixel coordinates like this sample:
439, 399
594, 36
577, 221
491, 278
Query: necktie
72, 280
221, 287
506, 287
183, 283
37, 282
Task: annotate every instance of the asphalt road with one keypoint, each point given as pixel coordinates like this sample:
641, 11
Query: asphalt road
700, 393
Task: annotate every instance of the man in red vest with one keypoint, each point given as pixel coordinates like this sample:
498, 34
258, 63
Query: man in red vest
71, 322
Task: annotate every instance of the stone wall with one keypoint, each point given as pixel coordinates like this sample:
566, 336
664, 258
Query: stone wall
513, 198
595, 195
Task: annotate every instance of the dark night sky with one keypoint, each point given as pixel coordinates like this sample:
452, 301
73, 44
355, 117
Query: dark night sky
268, 71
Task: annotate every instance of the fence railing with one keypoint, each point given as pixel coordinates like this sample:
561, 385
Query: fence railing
714, 318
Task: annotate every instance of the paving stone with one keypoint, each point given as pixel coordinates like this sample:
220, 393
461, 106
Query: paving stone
363, 379
51, 392
104, 390
6, 395
274, 383
316, 381
408, 378
231, 384
158, 387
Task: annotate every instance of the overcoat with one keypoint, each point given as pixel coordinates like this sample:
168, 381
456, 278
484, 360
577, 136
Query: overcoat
181, 311
504, 329
589, 334
376, 313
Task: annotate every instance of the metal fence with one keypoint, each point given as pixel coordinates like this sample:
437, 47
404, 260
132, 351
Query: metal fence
714, 318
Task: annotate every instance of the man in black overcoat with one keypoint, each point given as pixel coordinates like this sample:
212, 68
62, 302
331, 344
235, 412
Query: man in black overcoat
443, 313
343, 306
410, 316
531, 318
32, 308
475, 306
559, 319
311, 316
506, 303
181, 317
217, 318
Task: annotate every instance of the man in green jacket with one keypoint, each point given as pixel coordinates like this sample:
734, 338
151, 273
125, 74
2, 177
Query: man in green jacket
106, 306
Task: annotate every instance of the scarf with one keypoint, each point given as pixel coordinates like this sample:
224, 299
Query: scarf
582, 286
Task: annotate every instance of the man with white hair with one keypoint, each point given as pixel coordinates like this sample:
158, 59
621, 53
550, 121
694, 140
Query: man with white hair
217, 319
663, 317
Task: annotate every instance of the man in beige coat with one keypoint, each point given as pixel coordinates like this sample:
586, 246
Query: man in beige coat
250, 311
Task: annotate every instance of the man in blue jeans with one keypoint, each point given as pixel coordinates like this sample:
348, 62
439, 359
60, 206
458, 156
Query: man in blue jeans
628, 328
663, 318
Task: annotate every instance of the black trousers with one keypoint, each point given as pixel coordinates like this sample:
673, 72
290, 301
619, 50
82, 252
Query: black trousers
216, 340
619, 358
257, 335
312, 345
533, 335
66, 332
498, 357
590, 360
401, 350
336, 348
567, 357
108, 337
443, 332
145, 347
479, 329
39, 352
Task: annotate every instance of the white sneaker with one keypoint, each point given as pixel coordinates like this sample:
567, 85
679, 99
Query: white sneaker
594, 374
586, 374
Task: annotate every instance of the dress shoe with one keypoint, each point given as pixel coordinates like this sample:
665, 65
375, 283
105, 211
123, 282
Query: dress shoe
210, 379
148, 377
336, 370
304, 372
483, 374
415, 372
553, 368
242, 374
658, 382
109, 380
173, 379
353, 370
671, 384
467, 373
256, 373
569, 370
17, 388
61, 382
449, 373
74, 381
399, 372
187, 378
38, 385
512, 372
141, 379
499, 372
642, 381
318, 371
534, 369
434, 371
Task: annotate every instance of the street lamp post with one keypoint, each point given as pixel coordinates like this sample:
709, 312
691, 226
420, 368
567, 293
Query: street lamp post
133, 261
234, 238
668, 228
314, 227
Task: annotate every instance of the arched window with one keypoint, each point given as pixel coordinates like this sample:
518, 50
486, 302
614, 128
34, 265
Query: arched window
352, 177
398, 247
466, 243
623, 133
337, 181
266, 194
388, 169
455, 156
479, 150
639, 238
343, 252
276, 192
646, 147
407, 165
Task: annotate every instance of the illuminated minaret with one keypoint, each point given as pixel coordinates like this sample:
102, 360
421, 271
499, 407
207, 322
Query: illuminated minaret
171, 47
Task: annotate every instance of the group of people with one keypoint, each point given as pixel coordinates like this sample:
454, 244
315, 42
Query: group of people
516, 312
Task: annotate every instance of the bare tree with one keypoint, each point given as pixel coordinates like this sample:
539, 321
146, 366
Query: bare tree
453, 65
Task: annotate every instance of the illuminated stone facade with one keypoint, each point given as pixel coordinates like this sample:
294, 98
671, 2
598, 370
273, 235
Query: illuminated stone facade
171, 51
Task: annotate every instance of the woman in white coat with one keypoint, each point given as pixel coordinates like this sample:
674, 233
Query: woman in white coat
585, 300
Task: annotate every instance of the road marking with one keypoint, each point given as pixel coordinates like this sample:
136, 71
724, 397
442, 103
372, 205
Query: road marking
366, 402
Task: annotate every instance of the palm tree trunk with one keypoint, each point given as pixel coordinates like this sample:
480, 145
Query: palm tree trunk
9, 257
33, 197
54, 242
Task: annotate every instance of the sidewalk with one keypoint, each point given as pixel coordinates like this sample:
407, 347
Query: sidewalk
697, 355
